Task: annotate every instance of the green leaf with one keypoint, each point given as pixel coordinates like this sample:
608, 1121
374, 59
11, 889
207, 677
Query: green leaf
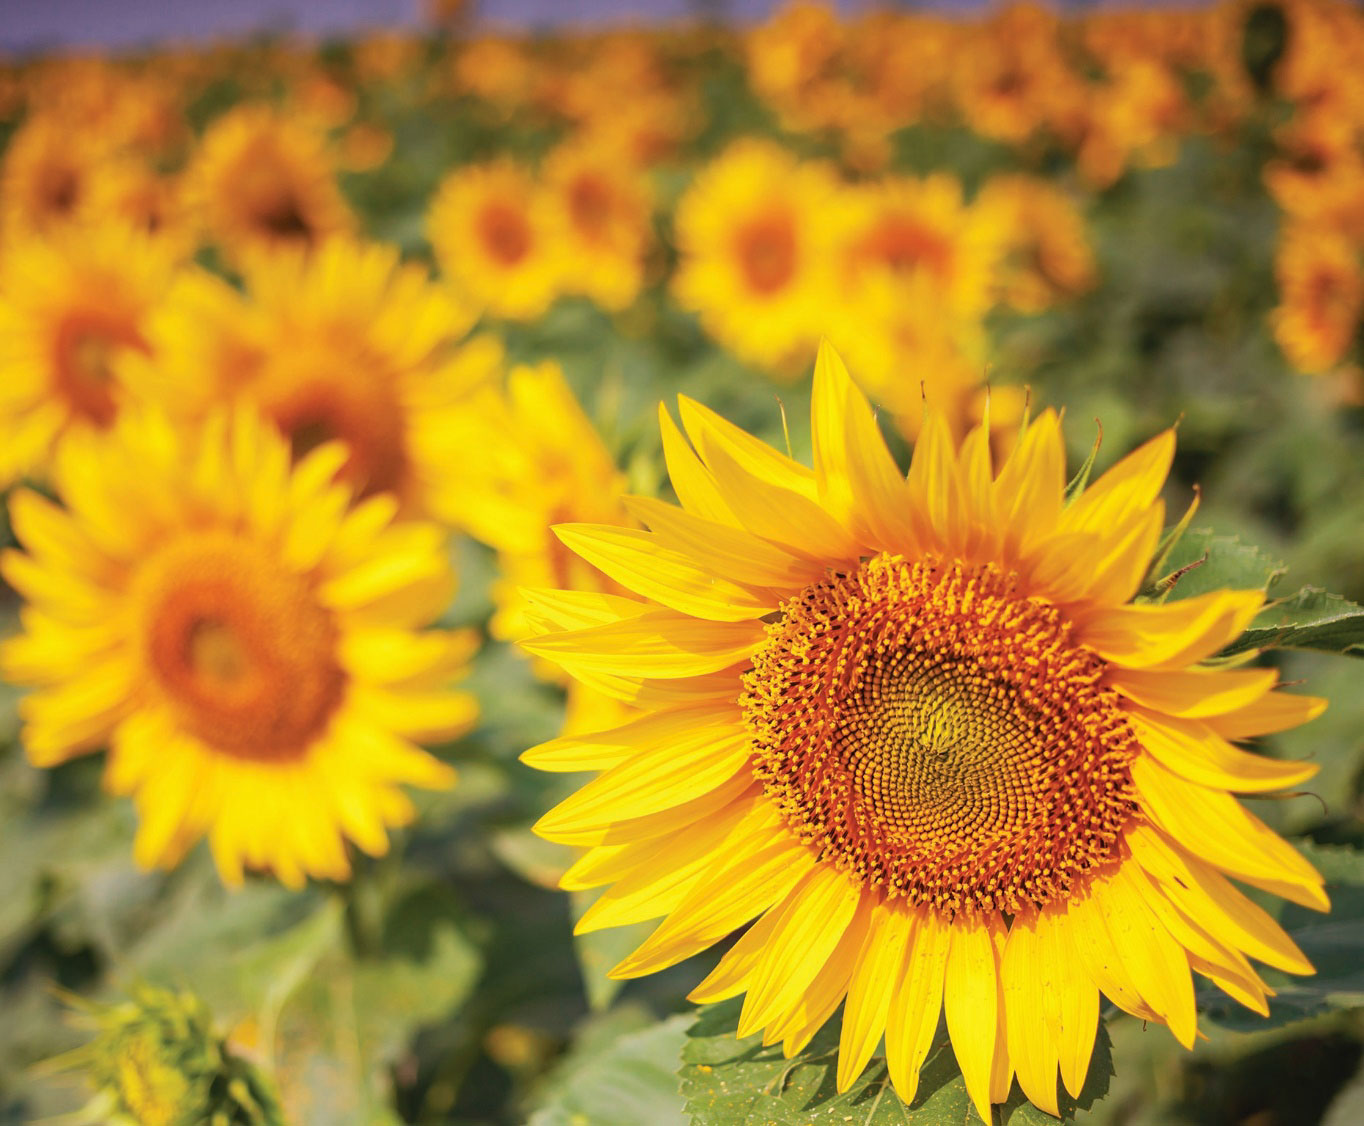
1212, 562
1311, 619
1332, 943
598, 951
621, 1072
729, 1082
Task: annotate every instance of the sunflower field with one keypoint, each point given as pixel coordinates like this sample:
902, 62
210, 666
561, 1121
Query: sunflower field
794, 573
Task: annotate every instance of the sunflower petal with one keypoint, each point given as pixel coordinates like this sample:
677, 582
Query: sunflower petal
640, 563
971, 1001
1195, 752
1171, 634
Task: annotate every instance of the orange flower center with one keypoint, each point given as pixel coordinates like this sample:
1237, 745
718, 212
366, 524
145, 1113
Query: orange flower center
342, 396
84, 348
589, 203
268, 197
505, 232
238, 647
903, 244
929, 729
766, 249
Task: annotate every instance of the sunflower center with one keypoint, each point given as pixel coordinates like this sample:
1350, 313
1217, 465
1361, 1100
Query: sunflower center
238, 647
589, 201
932, 730
268, 198
903, 245
85, 346
766, 249
505, 233
315, 399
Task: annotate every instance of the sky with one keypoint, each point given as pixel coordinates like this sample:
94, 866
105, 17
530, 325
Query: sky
27, 25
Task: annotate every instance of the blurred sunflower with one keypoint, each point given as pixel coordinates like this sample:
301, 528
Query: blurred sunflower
45, 176
756, 231
916, 733
361, 347
244, 639
530, 458
130, 191
1321, 294
489, 225
909, 228
602, 210
1047, 252
343, 343
264, 181
71, 307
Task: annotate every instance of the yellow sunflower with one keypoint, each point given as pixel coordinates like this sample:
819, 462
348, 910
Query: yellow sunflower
1321, 296
491, 229
262, 180
602, 211
915, 731
71, 307
1047, 251
344, 342
909, 228
756, 232
244, 639
45, 177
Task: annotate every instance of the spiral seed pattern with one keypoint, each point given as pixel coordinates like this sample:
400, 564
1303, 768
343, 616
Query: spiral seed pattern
928, 727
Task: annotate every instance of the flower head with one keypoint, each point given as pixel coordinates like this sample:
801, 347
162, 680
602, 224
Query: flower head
263, 181
490, 226
916, 734
156, 1060
73, 308
244, 639
756, 231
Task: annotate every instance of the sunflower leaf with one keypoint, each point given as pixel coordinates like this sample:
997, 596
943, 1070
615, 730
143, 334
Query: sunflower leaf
1310, 619
598, 951
729, 1082
619, 1072
1201, 561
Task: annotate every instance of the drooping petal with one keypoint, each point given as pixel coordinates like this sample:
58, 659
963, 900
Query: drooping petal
917, 1003
971, 1001
869, 999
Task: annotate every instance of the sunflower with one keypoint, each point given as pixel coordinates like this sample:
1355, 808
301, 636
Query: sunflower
909, 228
71, 308
262, 180
531, 458
242, 637
130, 191
1047, 252
915, 731
1321, 295
603, 211
490, 227
45, 177
344, 342
756, 231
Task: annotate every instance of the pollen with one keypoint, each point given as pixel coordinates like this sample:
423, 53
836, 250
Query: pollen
928, 728
238, 647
